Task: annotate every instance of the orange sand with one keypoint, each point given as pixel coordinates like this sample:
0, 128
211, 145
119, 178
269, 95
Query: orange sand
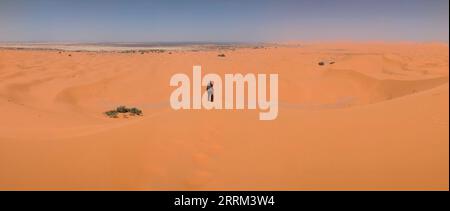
377, 119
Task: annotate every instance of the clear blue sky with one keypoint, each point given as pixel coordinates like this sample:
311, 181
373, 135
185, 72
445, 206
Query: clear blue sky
223, 20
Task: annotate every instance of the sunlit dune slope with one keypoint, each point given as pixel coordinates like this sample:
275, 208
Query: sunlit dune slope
375, 116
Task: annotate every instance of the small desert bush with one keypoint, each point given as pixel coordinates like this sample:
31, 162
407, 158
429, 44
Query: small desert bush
123, 109
112, 113
135, 111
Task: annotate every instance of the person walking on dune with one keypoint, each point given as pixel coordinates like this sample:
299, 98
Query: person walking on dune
210, 90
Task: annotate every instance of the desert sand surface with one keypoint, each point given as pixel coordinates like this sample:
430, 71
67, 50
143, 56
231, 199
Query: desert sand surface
375, 119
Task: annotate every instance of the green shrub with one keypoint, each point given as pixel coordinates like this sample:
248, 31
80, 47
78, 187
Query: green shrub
135, 111
112, 113
122, 109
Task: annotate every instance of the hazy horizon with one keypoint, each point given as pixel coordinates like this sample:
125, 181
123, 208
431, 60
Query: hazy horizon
223, 21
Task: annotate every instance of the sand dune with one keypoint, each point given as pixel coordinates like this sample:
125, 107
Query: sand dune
377, 118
